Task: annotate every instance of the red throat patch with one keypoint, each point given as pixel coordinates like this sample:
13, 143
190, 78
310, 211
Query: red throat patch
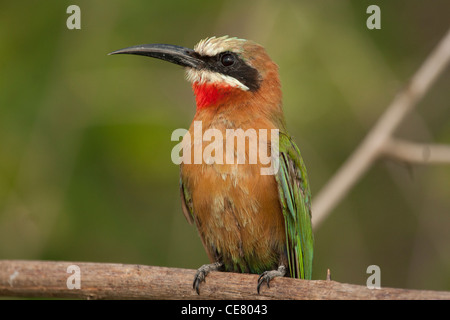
208, 94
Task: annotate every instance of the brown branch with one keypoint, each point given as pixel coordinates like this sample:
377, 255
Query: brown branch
125, 281
374, 143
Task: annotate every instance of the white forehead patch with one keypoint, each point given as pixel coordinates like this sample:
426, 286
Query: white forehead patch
212, 46
203, 76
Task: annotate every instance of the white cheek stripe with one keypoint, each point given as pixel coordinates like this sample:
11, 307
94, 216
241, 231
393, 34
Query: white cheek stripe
203, 76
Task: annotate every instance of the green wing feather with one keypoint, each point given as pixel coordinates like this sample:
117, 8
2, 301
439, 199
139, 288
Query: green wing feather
186, 202
295, 199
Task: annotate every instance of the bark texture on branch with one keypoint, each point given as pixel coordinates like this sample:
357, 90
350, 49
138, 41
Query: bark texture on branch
20, 278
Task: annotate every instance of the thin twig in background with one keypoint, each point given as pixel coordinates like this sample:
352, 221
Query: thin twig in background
421, 153
381, 135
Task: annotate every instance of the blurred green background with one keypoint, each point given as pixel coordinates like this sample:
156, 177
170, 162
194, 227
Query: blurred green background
85, 167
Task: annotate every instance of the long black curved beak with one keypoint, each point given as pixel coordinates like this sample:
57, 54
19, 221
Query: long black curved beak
179, 55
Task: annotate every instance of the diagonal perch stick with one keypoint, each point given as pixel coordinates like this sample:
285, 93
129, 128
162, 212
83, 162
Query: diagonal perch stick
381, 135
47, 279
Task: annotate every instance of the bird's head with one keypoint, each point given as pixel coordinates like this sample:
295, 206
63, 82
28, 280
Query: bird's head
221, 69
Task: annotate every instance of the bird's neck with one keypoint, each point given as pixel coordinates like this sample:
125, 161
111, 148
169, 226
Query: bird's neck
239, 104
209, 94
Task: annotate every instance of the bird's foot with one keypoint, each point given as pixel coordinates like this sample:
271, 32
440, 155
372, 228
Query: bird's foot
202, 272
266, 276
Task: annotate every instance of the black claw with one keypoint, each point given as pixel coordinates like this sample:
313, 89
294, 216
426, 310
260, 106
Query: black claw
263, 277
202, 272
195, 285
260, 276
269, 275
199, 278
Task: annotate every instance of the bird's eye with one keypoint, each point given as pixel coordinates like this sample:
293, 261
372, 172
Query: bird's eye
227, 59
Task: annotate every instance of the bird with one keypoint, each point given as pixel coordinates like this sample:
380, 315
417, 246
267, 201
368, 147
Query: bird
248, 222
